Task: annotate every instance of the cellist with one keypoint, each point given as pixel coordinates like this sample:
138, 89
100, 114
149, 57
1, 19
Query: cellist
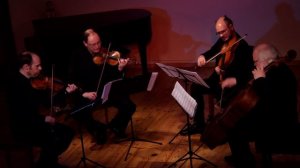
232, 70
274, 116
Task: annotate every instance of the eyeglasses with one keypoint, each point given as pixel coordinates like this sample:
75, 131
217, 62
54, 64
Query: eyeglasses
94, 44
221, 32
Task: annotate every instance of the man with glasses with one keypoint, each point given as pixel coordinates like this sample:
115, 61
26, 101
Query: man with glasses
228, 77
86, 72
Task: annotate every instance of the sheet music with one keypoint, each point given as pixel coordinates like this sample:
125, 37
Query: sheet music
170, 71
193, 76
184, 99
152, 81
106, 90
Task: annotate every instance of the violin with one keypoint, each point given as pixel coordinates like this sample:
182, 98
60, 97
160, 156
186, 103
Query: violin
227, 50
44, 82
111, 58
227, 47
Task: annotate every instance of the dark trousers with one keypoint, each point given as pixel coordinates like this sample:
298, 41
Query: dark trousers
53, 140
239, 137
126, 109
118, 98
198, 91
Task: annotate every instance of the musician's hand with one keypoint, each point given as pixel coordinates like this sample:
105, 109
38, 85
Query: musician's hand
90, 95
228, 83
258, 73
122, 63
50, 120
201, 60
218, 70
71, 88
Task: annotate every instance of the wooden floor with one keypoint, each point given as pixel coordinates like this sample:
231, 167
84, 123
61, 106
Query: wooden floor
157, 118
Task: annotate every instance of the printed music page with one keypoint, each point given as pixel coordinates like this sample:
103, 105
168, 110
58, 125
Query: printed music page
152, 81
184, 99
106, 90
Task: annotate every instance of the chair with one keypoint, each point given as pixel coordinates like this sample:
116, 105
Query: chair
285, 143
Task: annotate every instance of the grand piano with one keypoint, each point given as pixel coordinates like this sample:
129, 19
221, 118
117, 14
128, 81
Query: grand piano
55, 38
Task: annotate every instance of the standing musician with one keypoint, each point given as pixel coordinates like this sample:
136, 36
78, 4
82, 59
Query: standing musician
275, 113
88, 73
232, 71
30, 128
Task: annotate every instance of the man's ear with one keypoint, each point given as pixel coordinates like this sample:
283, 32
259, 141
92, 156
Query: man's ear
84, 43
230, 26
26, 67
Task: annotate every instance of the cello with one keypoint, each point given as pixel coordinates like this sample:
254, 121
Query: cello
216, 131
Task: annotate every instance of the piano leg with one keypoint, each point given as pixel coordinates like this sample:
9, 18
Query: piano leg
143, 55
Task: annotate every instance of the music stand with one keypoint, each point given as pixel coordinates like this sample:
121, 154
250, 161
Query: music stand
83, 157
134, 137
186, 76
188, 104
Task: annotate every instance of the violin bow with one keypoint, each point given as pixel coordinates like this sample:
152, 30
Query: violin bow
103, 67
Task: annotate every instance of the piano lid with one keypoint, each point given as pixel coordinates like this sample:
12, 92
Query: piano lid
120, 20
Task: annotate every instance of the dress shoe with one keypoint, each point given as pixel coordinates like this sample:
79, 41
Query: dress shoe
193, 130
101, 138
230, 160
49, 165
118, 133
100, 135
248, 162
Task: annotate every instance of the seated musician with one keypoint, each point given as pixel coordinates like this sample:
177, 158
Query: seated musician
232, 72
273, 115
91, 72
30, 128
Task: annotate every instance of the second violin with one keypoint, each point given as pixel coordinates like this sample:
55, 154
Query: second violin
111, 58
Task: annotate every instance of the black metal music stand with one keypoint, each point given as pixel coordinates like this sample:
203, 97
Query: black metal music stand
190, 155
133, 137
84, 159
192, 77
186, 76
186, 125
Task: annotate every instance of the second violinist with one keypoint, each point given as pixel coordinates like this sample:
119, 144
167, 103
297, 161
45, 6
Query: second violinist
232, 71
91, 72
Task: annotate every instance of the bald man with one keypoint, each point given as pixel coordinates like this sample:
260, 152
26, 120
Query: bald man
275, 112
29, 126
234, 74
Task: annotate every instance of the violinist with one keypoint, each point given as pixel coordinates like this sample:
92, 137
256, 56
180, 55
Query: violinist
30, 128
91, 75
274, 116
232, 70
